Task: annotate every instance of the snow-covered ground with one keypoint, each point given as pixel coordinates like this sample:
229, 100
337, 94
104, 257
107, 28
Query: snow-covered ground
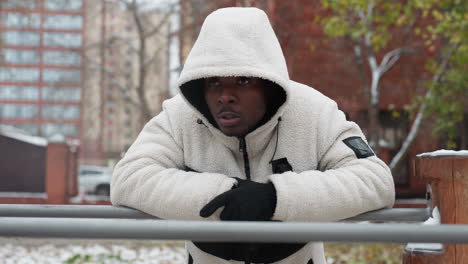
77, 251
82, 251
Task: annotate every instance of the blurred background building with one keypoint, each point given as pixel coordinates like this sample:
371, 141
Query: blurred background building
41, 71
82, 69
126, 76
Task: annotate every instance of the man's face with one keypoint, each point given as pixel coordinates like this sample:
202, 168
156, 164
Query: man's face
237, 104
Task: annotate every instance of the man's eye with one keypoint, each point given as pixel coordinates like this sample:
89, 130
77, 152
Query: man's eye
214, 83
243, 81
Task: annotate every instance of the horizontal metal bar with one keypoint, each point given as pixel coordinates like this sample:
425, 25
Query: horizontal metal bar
23, 195
394, 215
229, 231
108, 211
73, 211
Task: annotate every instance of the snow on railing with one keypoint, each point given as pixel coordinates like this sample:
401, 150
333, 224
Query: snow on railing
443, 153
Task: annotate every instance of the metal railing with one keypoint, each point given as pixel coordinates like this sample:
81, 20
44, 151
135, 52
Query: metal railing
108, 211
81, 221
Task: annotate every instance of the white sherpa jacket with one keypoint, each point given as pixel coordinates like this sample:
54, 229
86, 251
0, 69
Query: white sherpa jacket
334, 174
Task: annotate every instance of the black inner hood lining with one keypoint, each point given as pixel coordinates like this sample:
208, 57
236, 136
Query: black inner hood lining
193, 92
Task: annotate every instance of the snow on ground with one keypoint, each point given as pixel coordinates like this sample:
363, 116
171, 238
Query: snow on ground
77, 251
103, 251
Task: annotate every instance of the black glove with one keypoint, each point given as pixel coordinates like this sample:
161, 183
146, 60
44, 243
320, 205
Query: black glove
249, 201
259, 202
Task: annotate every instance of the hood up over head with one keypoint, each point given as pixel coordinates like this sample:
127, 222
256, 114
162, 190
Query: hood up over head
235, 41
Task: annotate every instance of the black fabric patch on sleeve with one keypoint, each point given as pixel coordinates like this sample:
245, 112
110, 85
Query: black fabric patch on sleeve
188, 169
280, 166
359, 146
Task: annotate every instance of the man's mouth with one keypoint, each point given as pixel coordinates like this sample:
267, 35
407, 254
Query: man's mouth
228, 119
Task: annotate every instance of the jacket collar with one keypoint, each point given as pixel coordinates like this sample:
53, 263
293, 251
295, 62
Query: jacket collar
256, 141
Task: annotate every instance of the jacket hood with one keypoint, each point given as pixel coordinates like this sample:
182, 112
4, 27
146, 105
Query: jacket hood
235, 41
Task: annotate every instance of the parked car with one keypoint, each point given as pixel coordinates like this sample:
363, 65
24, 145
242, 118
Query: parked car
94, 179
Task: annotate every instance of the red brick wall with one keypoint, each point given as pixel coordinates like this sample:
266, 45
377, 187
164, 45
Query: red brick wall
60, 177
329, 66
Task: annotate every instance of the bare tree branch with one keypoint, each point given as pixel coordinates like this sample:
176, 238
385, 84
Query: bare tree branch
162, 22
370, 10
125, 90
391, 58
125, 41
373, 90
126, 93
358, 55
151, 60
398, 158
90, 61
141, 60
409, 28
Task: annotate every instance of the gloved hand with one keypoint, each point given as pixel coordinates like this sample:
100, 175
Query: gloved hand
249, 201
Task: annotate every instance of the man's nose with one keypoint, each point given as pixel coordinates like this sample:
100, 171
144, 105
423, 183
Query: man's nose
227, 96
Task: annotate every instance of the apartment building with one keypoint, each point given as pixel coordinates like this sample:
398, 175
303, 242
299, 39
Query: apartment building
72, 68
41, 66
116, 65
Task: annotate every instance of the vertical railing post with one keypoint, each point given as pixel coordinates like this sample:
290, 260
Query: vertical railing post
56, 173
72, 171
447, 173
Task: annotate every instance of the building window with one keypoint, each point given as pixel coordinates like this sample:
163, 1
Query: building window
67, 5
66, 40
20, 56
15, 38
18, 93
68, 130
60, 112
62, 76
66, 58
15, 4
21, 20
393, 130
55, 94
63, 22
18, 111
19, 75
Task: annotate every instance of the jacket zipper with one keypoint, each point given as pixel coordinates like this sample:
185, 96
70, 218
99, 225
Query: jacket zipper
243, 149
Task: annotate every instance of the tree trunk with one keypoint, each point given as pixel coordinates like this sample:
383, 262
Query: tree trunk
373, 112
409, 140
141, 88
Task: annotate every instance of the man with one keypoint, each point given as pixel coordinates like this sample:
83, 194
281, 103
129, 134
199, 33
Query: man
243, 142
